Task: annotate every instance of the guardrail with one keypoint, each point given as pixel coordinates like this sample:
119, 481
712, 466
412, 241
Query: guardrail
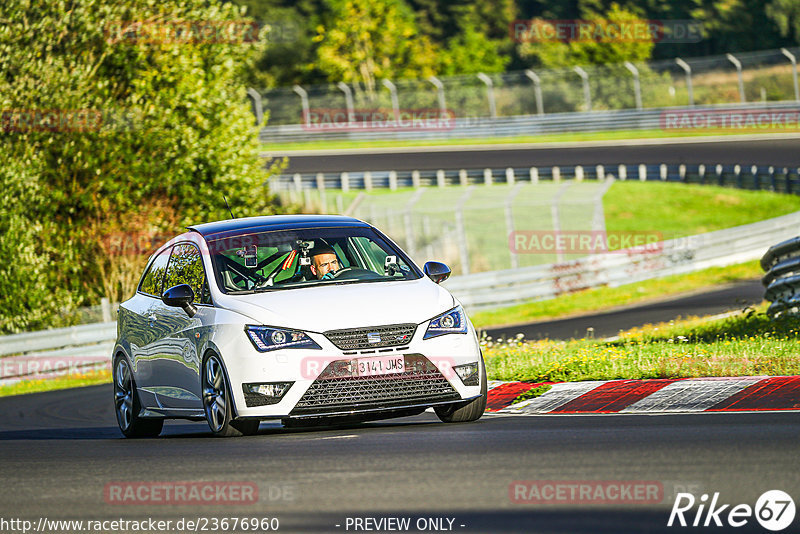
676, 256
56, 352
742, 176
782, 281
528, 125
84, 346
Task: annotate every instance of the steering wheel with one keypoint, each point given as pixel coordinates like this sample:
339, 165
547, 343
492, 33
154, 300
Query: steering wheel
355, 273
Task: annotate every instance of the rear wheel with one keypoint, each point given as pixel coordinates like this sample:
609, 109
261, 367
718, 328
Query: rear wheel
127, 405
471, 411
217, 403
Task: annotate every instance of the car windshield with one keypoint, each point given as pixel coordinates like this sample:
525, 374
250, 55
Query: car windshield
286, 259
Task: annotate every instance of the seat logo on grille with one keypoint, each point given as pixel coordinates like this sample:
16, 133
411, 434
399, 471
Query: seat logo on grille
373, 337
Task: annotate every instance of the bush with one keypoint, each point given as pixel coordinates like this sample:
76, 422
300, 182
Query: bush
99, 126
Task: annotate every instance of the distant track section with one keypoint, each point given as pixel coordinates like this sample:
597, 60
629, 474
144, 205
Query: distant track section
768, 151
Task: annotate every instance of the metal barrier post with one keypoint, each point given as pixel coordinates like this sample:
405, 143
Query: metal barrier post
738, 65
255, 102
637, 88
489, 94
395, 101
688, 70
537, 88
587, 94
510, 222
348, 99
794, 72
440, 94
304, 100
461, 230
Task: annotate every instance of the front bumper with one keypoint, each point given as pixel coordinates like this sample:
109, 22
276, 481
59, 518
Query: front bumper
322, 386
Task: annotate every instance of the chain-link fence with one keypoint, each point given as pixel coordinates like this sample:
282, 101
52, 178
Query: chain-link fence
744, 77
469, 227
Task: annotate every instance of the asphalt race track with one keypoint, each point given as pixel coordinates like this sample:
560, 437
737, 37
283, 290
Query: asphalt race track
778, 152
60, 449
733, 297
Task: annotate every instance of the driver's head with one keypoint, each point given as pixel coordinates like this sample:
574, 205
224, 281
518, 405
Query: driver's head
324, 261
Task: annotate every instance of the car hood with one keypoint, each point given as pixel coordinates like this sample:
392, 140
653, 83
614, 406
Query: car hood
322, 308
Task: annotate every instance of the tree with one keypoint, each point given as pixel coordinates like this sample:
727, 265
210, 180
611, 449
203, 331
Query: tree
607, 48
786, 15
372, 39
111, 107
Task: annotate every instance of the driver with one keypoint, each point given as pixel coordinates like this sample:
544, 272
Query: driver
324, 263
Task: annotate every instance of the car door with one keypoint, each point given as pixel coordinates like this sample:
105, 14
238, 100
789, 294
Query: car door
139, 323
174, 356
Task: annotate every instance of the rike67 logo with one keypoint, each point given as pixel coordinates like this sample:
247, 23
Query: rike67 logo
774, 510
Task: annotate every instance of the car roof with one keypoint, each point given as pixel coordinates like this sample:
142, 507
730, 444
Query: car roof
229, 227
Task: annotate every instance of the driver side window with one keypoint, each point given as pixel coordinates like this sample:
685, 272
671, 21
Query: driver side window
152, 281
186, 267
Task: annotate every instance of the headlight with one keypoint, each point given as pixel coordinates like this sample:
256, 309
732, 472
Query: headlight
450, 322
266, 339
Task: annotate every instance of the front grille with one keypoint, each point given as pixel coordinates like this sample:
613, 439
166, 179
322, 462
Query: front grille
420, 383
373, 337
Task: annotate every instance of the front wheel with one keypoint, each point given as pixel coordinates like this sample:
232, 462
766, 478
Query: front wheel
127, 405
471, 411
217, 403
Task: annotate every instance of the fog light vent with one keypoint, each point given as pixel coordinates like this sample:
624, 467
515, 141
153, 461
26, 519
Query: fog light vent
263, 394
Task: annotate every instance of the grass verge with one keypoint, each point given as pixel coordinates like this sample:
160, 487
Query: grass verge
677, 210
64, 382
548, 138
604, 298
748, 343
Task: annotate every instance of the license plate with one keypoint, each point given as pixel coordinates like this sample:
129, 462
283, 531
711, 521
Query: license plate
380, 365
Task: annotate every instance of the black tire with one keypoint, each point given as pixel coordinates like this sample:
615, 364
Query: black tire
127, 405
469, 411
218, 404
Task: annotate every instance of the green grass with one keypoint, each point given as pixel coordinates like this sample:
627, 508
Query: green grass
677, 210
604, 298
746, 344
549, 138
65, 382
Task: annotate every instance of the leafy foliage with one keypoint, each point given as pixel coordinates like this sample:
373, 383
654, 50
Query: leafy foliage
371, 40
101, 123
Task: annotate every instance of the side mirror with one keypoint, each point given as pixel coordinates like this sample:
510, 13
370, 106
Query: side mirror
180, 296
438, 272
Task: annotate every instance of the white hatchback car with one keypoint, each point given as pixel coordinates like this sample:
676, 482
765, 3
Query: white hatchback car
307, 319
